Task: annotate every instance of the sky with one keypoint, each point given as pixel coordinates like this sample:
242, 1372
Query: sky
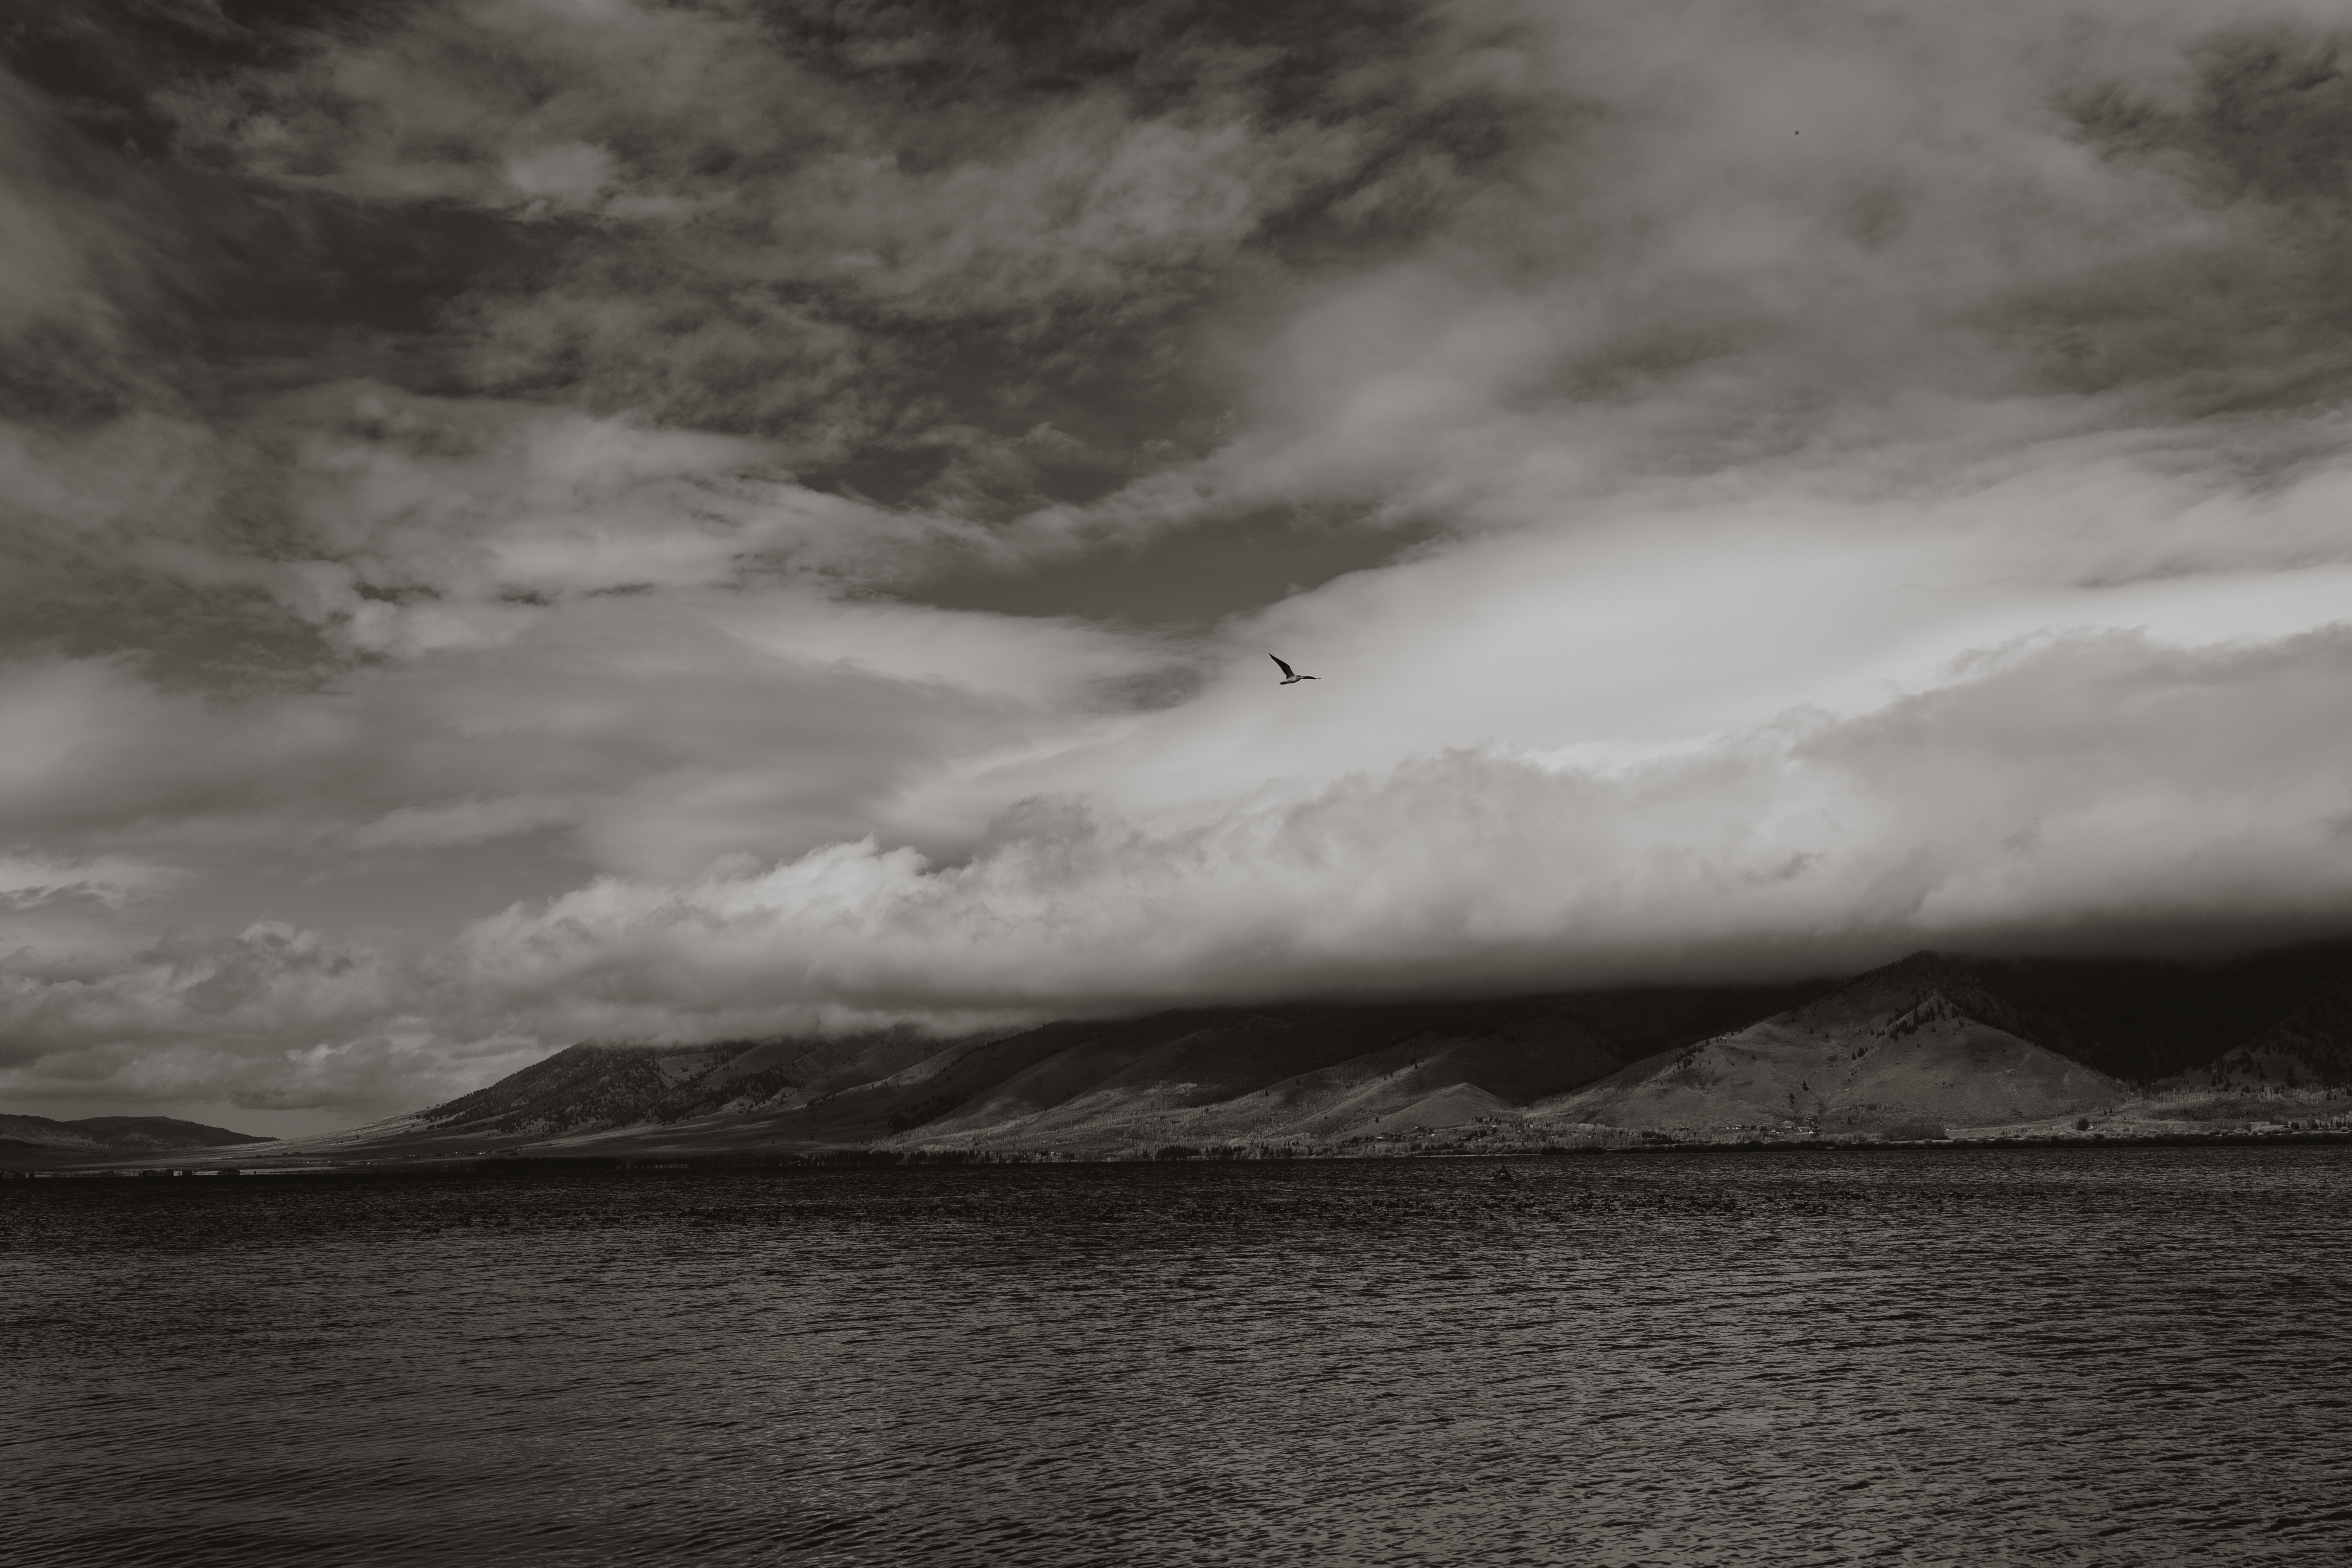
531, 520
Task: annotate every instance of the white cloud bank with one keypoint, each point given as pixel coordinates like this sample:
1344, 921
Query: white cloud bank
2083, 792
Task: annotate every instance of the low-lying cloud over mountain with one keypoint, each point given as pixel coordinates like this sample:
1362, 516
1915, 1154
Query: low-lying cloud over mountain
1928, 1046
531, 519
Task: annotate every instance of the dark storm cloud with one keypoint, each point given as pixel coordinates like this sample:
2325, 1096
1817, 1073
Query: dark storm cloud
953, 262
900, 238
1814, 233
2250, 313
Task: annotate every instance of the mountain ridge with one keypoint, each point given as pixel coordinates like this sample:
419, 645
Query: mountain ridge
1930, 1044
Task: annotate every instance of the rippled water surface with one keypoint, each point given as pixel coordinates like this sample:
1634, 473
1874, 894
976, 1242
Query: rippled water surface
2129, 1356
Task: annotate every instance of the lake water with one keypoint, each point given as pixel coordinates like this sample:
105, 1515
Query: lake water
2134, 1356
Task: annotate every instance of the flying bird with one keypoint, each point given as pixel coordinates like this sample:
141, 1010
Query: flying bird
1289, 676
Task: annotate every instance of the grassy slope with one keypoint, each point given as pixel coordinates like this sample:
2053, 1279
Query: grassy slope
39, 1140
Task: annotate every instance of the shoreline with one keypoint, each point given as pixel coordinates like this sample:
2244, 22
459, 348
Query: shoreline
860, 1158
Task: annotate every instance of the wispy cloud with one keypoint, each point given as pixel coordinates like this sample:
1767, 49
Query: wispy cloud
110, 879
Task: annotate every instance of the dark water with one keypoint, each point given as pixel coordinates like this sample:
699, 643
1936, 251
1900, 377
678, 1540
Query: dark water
2129, 1356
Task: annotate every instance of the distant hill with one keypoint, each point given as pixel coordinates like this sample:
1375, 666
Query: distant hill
1310, 1072
1931, 1043
594, 1085
1892, 1054
1938, 1042
2311, 1045
38, 1139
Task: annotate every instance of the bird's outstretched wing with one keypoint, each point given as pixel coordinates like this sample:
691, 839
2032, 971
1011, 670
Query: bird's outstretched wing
1285, 669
